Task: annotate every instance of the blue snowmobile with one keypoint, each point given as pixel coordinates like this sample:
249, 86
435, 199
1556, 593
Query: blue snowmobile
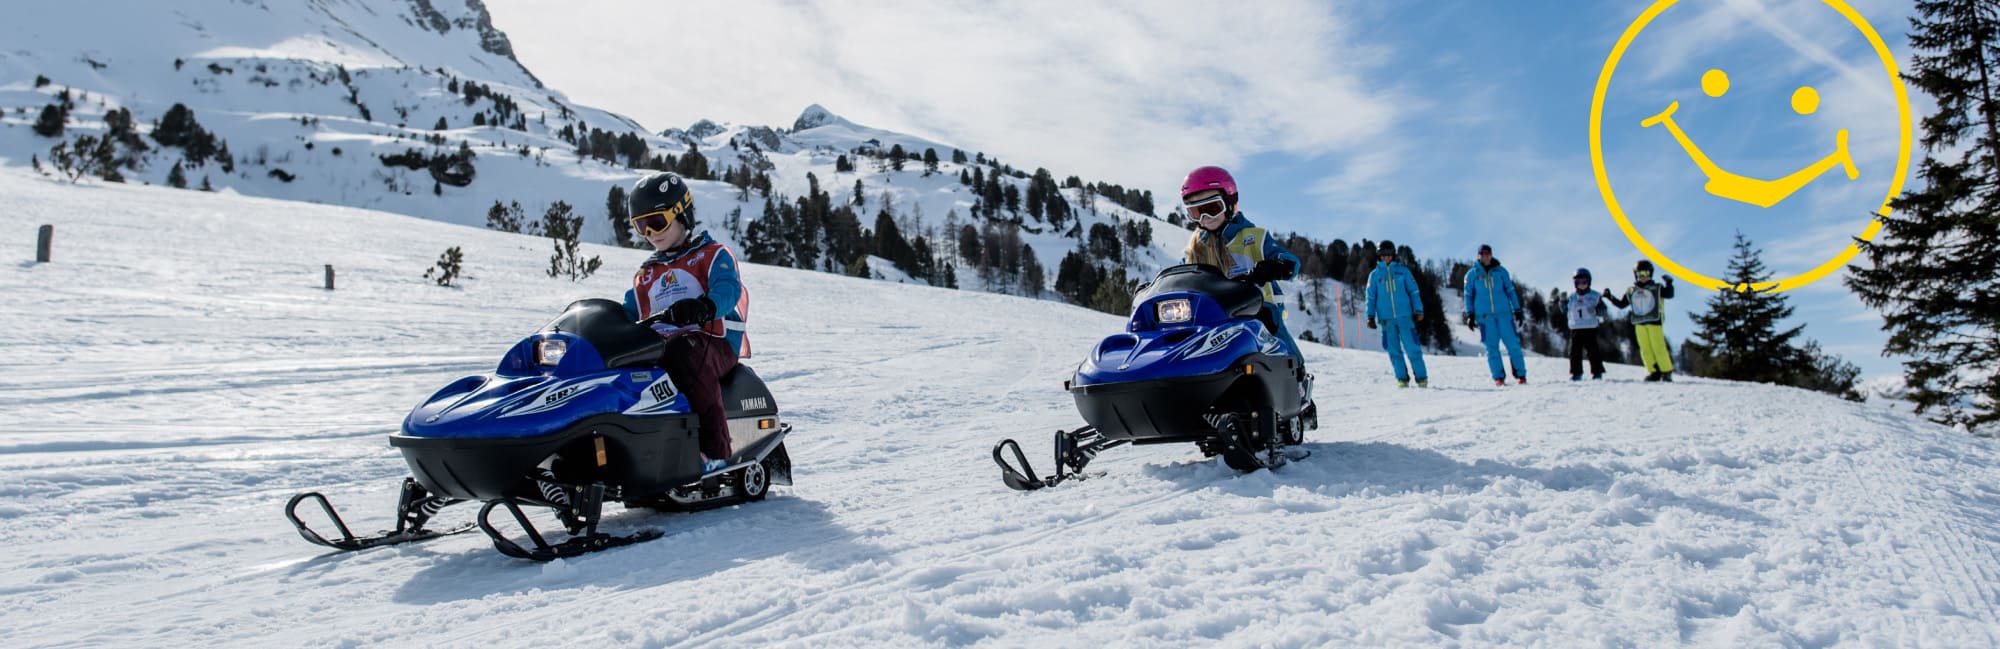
576, 415
1198, 364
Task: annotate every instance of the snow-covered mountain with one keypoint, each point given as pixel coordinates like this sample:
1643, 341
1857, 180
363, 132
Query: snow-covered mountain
340, 102
180, 376
314, 100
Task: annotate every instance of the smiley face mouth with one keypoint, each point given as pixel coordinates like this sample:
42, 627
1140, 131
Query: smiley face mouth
1744, 189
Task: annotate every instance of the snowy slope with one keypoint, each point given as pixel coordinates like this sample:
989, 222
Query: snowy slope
183, 374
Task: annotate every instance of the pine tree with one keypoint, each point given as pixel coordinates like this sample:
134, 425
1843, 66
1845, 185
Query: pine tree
890, 244
930, 161
1738, 338
616, 210
1934, 269
566, 229
50, 123
176, 178
897, 157
1032, 278
763, 241
1113, 294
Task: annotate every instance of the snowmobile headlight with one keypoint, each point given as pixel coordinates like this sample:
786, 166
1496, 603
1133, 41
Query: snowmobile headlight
549, 351
1176, 311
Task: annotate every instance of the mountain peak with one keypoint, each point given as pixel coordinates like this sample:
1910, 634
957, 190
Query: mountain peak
473, 17
816, 116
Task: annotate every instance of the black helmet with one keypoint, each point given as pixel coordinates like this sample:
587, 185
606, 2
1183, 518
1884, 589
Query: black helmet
1386, 248
1645, 265
662, 192
1581, 273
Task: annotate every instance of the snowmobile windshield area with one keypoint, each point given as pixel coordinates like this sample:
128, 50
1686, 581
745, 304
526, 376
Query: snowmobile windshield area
1238, 299
602, 323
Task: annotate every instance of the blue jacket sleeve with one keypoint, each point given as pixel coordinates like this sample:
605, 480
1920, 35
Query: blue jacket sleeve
1368, 307
632, 306
1409, 286
725, 286
1513, 296
1274, 251
1471, 291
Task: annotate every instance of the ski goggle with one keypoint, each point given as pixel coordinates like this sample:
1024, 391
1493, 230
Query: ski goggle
652, 223
1581, 282
1643, 274
1208, 208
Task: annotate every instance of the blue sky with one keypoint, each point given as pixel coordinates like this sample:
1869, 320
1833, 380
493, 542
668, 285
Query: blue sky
1439, 124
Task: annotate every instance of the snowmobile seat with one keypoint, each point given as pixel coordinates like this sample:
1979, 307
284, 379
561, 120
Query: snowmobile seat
602, 323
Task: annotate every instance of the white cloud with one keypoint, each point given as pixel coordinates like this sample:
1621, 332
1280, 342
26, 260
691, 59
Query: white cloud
1132, 94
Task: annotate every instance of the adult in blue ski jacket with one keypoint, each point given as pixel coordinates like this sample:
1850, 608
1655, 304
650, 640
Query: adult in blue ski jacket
1493, 308
1395, 305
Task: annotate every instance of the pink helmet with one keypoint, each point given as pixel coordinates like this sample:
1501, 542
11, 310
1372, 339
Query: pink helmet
1206, 178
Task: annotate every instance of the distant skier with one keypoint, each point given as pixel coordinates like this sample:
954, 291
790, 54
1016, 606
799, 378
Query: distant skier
1584, 308
1645, 299
1227, 240
690, 293
1393, 303
1493, 308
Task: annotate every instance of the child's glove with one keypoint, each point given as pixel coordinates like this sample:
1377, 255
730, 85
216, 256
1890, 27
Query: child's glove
1371, 323
1269, 270
691, 311
1470, 323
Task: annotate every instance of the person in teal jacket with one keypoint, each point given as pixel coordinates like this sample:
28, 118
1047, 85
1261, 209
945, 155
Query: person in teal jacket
1394, 305
1493, 309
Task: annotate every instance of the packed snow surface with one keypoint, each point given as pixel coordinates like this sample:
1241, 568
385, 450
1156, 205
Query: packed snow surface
180, 372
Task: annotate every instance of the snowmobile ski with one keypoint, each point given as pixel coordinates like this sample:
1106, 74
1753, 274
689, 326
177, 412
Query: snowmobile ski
1074, 449
414, 508
579, 509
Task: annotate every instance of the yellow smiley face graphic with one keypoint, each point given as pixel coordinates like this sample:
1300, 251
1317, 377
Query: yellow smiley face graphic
1805, 100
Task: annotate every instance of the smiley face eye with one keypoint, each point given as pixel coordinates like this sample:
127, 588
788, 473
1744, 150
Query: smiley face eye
1805, 100
1714, 82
